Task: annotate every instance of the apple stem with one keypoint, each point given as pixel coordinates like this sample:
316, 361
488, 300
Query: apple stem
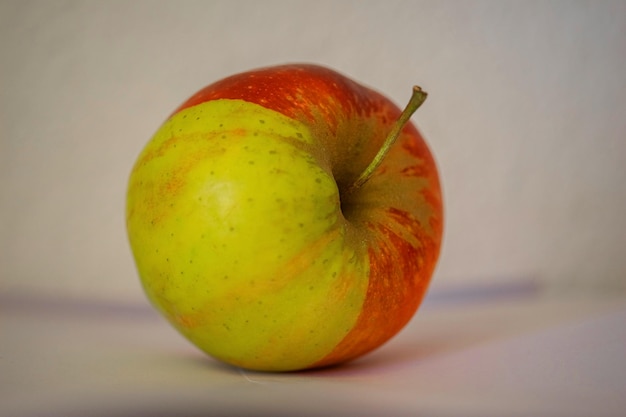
416, 100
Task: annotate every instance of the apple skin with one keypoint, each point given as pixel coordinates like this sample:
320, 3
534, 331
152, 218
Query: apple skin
246, 232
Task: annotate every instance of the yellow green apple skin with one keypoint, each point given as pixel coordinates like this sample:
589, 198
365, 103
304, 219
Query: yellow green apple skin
250, 237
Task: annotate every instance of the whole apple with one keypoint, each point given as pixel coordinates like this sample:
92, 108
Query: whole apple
286, 218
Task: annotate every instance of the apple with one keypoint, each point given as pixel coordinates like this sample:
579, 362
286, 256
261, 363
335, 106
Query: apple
286, 218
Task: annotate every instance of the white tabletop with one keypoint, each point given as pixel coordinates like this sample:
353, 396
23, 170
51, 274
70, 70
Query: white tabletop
518, 354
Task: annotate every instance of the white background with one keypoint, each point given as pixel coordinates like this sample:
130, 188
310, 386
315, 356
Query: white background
526, 117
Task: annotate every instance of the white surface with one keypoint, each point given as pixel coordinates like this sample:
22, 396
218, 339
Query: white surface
525, 116
501, 357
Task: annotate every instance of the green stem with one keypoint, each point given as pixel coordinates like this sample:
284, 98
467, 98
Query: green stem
416, 100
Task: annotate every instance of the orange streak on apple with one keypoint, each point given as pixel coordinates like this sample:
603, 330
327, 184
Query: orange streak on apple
293, 90
400, 270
